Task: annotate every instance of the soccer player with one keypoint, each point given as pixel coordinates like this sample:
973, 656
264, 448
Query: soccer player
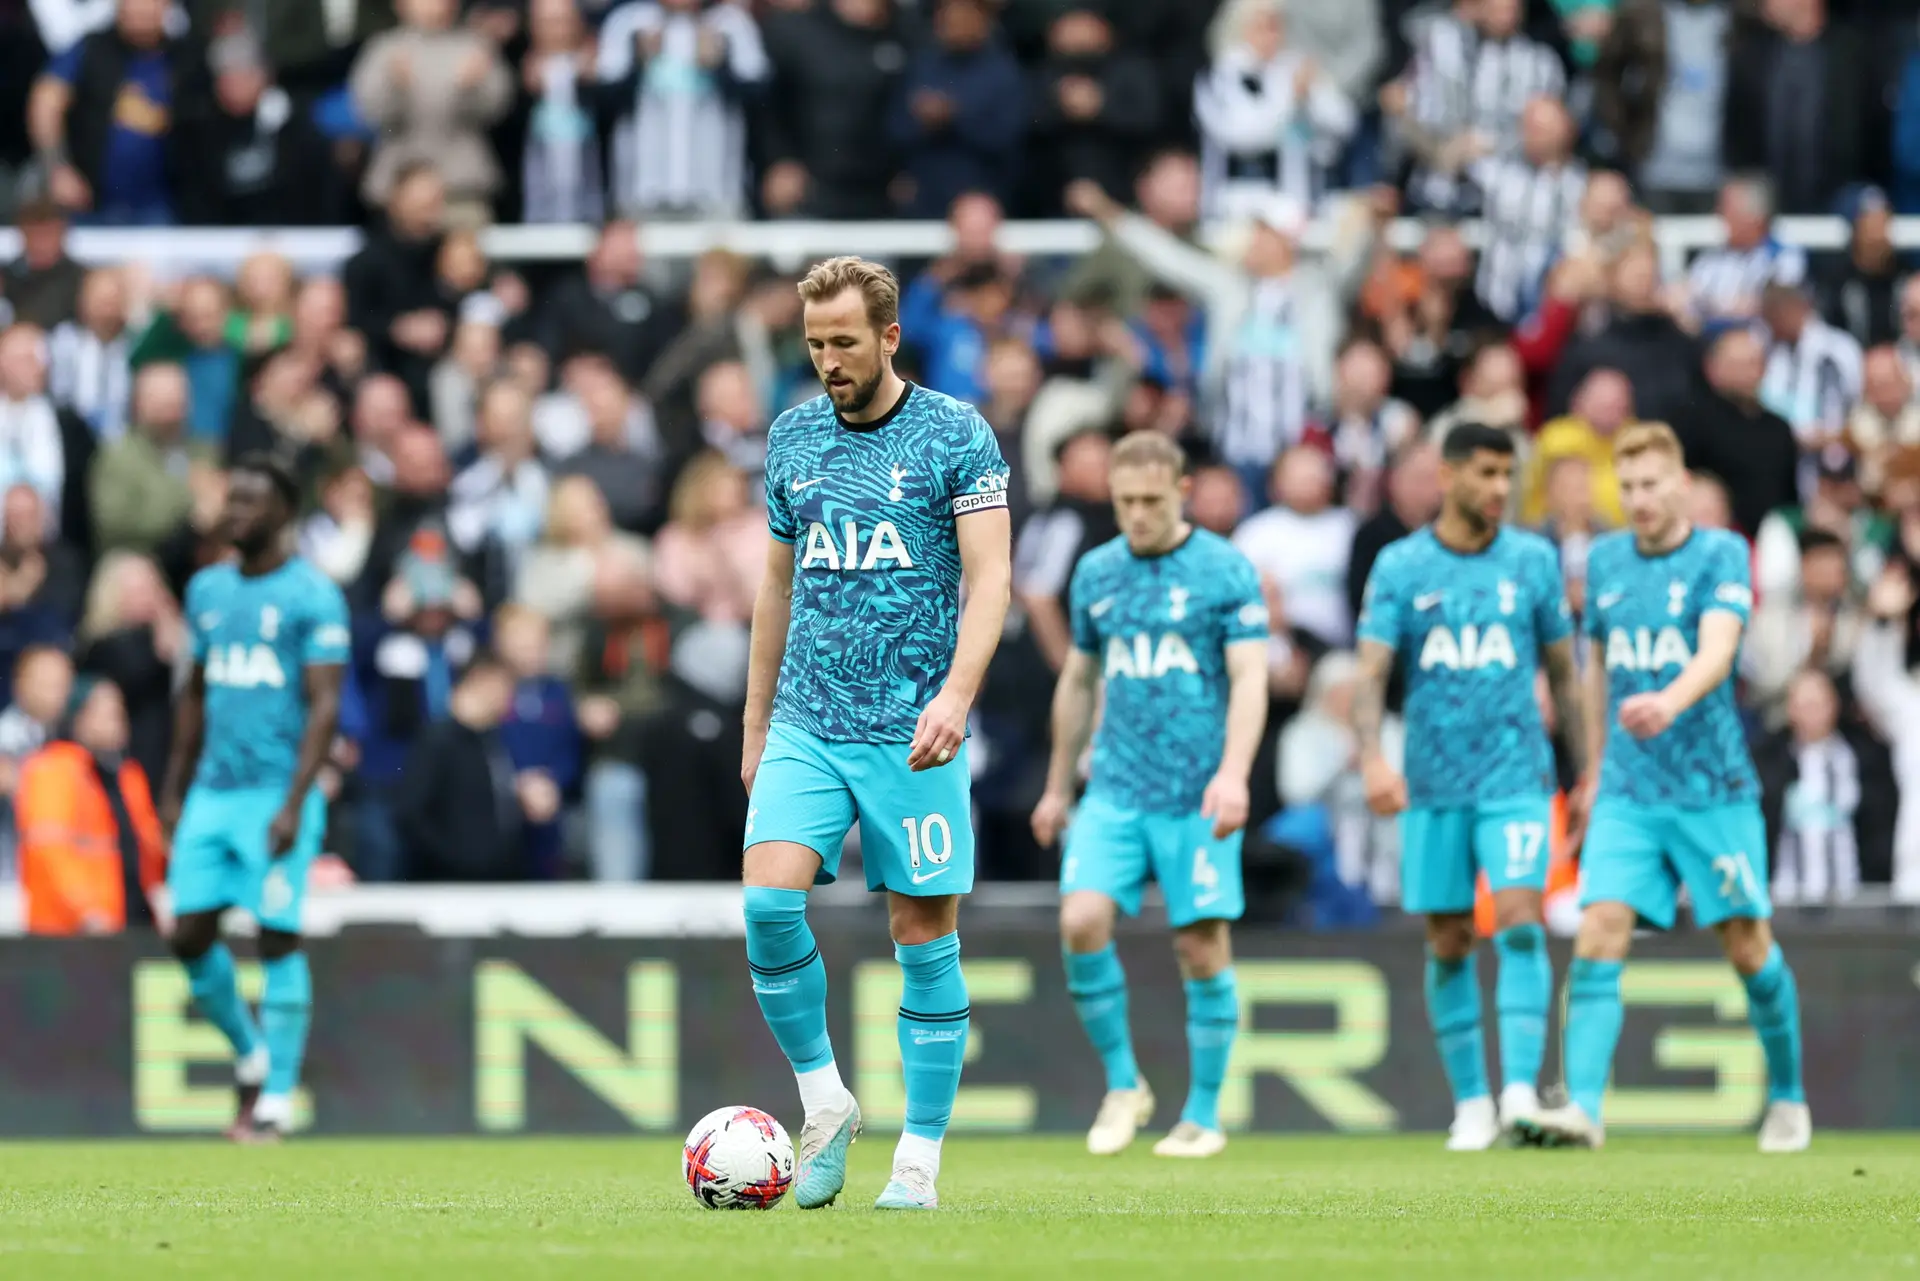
880, 496
1474, 608
1678, 801
1172, 620
251, 732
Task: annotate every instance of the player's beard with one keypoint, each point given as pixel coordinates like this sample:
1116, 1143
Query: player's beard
860, 395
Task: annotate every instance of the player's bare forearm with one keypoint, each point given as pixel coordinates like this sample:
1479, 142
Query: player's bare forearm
1246, 707
986, 548
1596, 705
1073, 700
1370, 696
1712, 661
772, 613
1569, 701
189, 729
323, 685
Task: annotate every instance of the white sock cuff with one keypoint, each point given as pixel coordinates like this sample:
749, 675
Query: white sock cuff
915, 1149
821, 1088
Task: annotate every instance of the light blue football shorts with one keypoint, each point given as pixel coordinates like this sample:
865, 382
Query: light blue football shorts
1443, 849
1114, 850
220, 856
1641, 855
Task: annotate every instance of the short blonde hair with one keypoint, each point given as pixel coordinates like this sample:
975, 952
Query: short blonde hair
1148, 449
1649, 438
877, 286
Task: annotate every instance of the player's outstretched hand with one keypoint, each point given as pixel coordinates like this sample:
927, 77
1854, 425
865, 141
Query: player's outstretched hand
1050, 818
282, 832
1645, 715
1386, 790
1225, 802
942, 728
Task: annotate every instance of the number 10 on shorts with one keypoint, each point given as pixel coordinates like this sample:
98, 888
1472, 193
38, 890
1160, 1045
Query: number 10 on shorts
929, 838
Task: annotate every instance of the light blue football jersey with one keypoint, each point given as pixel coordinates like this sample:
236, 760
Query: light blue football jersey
1645, 611
871, 511
254, 639
1160, 627
1468, 629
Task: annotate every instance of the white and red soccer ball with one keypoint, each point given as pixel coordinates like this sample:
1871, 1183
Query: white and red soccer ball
737, 1159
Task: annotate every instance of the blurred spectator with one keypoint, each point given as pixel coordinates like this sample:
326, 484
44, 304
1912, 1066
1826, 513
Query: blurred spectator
560, 163
42, 285
1493, 392
261, 320
1861, 292
193, 337
1569, 521
201, 539
1640, 338
1168, 195
1319, 769
1302, 544
1813, 370
380, 415
1085, 386
337, 537
1095, 106
608, 309
1078, 519
1367, 426
105, 110
432, 88
134, 635
978, 309
311, 47
248, 151
1471, 80
1271, 120
49, 571
1661, 88
87, 357
622, 455
1816, 626
1815, 776
542, 737
732, 422
1836, 505
1886, 419
1601, 407
93, 854
1724, 286
1431, 335
836, 69
1890, 696
1708, 504
319, 332
502, 495
1802, 104
619, 682
32, 449
557, 574
1529, 203
961, 113
42, 682
679, 77
139, 483
1732, 435
472, 361
712, 552
460, 809
1217, 502
1346, 41
726, 319
1573, 284
289, 414
1412, 492
392, 295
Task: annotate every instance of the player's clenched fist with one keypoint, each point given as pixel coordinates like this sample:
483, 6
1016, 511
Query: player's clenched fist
1386, 789
1050, 817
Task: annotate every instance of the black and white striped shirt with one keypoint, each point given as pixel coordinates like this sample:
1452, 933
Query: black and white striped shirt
1265, 397
91, 377
1818, 860
683, 147
1527, 212
1463, 82
1258, 136
1813, 383
1728, 282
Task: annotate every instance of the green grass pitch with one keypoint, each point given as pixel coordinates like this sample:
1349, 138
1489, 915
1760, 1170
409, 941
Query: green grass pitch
1692, 1209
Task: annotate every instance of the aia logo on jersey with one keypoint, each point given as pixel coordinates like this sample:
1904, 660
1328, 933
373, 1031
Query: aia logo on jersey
882, 549
239, 666
1471, 650
1141, 657
1641, 649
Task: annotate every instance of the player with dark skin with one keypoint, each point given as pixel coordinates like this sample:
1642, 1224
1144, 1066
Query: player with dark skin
262, 504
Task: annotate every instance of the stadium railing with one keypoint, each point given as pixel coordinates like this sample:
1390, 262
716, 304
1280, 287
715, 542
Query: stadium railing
786, 244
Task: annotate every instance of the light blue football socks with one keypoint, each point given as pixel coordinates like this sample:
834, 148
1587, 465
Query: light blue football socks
210, 977
1594, 1015
1213, 1016
286, 1010
1098, 984
1521, 993
932, 1026
789, 978
1453, 1006
1773, 1007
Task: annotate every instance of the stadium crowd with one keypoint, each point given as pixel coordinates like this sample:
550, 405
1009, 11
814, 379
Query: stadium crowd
564, 464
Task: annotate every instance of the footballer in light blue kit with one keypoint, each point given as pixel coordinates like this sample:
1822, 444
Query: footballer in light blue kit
881, 497
1474, 610
1171, 623
1678, 802
253, 729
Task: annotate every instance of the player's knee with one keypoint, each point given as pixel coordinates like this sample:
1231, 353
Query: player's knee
194, 934
1746, 942
1606, 932
779, 865
913, 921
1086, 922
1203, 949
275, 944
1517, 907
1450, 936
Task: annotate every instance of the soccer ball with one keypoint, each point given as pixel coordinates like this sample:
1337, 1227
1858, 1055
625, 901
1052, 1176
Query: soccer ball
737, 1159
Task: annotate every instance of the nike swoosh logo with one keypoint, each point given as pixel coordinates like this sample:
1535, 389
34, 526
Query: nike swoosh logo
1428, 601
921, 878
1100, 607
799, 485
209, 621
1609, 600
1201, 900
